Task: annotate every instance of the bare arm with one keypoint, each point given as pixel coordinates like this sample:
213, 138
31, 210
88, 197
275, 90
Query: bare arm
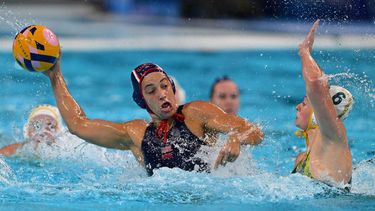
99, 132
239, 130
10, 149
214, 119
317, 91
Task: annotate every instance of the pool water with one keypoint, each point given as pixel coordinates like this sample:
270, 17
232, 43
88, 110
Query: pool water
76, 175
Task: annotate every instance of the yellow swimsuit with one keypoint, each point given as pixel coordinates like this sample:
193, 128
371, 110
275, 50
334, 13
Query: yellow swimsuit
303, 167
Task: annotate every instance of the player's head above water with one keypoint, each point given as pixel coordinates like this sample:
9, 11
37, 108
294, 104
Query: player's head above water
342, 100
154, 90
44, 124
225, 94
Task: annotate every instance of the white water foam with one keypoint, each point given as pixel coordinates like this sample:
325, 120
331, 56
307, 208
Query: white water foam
7, 176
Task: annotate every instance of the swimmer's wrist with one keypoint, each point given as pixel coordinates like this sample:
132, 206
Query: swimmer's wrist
304, 52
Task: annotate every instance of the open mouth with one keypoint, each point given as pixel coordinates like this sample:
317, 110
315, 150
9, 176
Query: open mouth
166, 107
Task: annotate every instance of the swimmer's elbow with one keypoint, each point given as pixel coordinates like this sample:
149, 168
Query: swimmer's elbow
73, 130
313, 83
75, 126
255, 138
259, 136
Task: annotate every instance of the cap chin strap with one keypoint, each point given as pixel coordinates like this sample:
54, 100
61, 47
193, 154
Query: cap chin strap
163, 128
303, 133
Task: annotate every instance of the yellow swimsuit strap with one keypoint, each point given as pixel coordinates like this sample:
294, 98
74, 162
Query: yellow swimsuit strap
303, 133
303, 166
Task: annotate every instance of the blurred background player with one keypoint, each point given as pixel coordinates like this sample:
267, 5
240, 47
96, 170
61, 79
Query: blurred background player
43, 126
225, 94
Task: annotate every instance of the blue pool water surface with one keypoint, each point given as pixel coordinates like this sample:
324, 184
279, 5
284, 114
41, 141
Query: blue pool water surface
76, 175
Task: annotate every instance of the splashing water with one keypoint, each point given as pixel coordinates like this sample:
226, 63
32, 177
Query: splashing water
363, 178
73, 171
14, 21
7, 176
360, 85
118, 173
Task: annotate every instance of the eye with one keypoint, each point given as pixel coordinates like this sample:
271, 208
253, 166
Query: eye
164, 86
150, 91
37, 125
222, 96
234, 96
51, 126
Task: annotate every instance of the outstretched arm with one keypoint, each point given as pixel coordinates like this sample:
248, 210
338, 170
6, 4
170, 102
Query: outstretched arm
10, 149
317, 91
99, 132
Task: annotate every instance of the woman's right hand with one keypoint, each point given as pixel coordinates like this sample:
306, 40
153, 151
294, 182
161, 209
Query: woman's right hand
54, 69
306, 45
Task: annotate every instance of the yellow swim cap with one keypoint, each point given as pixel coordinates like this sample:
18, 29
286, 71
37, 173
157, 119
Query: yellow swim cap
48, 110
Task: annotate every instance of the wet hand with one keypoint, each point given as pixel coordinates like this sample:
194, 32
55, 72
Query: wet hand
228, 153
55, 68
306, 45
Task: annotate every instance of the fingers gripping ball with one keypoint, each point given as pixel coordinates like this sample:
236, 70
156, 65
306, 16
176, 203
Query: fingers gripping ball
36, 48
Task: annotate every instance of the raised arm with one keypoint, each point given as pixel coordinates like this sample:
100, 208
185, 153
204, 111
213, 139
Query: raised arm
99, 132
317, 91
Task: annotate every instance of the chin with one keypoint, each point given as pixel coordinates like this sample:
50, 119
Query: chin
298, 125
164, 115
228, 111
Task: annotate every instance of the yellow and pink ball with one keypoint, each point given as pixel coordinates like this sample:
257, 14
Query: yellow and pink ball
36, 48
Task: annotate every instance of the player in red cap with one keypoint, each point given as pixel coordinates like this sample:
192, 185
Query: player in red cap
175, 133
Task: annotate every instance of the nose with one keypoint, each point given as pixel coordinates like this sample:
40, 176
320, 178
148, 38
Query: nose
228, 101
162, 94
297, 107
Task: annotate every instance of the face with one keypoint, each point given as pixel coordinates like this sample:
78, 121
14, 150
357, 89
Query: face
158, 94
226, 96
303, 115
42, 128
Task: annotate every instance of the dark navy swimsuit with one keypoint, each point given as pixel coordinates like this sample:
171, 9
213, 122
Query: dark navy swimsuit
179, 150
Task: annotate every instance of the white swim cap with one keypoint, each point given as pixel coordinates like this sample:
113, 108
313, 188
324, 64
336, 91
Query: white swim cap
342, 100
48, 110
180, 92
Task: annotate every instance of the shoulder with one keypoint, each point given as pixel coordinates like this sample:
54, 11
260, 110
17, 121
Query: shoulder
135, 130
136, 123
201, 108
135, 126
201, 111
198, 103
